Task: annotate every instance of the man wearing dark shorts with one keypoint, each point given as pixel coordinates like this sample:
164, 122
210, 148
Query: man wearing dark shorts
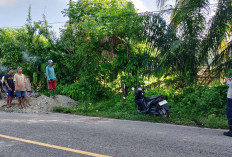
9, 82
20, 86
229, 107
51, 78
0, 89
1, 83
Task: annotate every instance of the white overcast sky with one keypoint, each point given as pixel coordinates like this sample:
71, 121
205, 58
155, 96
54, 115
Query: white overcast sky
14, 12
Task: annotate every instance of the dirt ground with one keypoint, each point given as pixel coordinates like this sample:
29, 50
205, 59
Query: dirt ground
39, 104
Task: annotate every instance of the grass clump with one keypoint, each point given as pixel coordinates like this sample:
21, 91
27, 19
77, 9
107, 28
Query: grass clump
202, 107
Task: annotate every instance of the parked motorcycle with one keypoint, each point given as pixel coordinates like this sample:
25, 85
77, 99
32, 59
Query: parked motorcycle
155, 105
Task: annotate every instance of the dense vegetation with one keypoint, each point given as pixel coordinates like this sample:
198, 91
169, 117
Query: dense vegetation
106, 43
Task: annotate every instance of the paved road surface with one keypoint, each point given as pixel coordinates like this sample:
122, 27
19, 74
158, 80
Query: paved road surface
60, 135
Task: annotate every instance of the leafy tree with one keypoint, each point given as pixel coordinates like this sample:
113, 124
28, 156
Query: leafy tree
102, 38
189, 42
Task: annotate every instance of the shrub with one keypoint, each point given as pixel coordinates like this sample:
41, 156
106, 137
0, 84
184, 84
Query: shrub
84, 90
194, 102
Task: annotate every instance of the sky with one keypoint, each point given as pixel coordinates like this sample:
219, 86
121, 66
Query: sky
14, 12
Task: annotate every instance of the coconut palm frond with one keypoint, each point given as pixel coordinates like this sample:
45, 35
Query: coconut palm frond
221, 61
219, 30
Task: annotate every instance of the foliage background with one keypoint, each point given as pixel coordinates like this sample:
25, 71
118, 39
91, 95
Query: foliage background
106, 43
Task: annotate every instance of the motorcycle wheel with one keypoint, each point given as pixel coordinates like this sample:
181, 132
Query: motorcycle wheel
139, 110
164, 113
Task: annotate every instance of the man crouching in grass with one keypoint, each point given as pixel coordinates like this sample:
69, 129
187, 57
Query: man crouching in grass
20, 86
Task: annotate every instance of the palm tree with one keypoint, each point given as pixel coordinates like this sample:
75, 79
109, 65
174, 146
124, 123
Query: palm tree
194, 41
70, 18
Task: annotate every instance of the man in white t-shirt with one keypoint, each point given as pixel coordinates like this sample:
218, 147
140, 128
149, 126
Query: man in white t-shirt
20, 86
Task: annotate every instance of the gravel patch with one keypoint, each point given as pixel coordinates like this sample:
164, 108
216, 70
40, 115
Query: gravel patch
41, 104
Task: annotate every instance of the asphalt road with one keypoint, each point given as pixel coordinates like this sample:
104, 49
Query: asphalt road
63, 135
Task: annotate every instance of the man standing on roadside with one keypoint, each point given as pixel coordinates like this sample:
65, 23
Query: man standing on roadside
1, 83
9, 82
229, 106
51, 78
20, 86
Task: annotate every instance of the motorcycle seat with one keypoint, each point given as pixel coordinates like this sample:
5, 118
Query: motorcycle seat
147, 99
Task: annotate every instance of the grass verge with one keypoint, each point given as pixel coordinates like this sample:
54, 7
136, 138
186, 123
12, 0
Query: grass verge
114, 109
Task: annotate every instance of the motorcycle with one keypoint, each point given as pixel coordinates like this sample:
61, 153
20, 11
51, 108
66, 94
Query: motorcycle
155, 105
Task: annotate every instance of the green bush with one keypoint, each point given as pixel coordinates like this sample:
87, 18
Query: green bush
84, 90
229, 74
191, 101
204, 107
203, 101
